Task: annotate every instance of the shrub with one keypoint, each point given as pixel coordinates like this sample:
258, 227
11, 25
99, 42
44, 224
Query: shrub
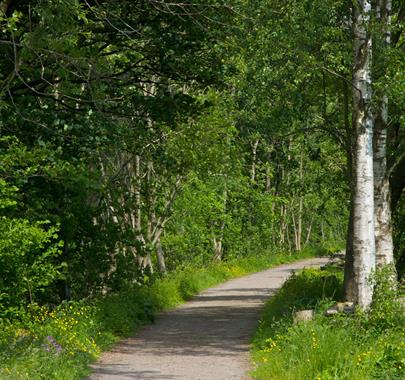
27, 257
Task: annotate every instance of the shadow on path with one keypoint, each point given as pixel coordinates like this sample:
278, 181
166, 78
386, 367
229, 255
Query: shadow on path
207, 338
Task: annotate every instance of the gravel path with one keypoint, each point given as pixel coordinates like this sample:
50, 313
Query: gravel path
207, 338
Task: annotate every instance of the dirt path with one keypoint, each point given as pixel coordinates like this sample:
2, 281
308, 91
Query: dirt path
207, 338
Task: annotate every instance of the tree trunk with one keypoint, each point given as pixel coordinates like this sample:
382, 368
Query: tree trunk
397, 181
288, 239
160, 257
349, 270
382, 192
151, 201
299, 224
283, 224
217, 240
295, 230
349, 261
383, 226
152, 221
254, 158
140, 241
363, 205
300, 207
322, 232
309, 231
217, 249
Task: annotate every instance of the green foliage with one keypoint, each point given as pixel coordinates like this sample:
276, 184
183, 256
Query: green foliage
368, 346
386, 309
27, 257
204, 130
27, 262
99, 86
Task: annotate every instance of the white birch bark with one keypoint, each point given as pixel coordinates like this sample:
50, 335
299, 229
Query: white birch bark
142, 262
254, 158
309, 230
300, 207
160, 257
283, 224
363, 205
382, 192
217, 240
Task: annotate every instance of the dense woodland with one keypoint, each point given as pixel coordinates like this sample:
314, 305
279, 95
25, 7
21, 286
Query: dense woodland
142, 137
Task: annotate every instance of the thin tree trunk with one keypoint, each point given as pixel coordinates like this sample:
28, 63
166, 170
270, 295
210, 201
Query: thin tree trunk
111, 213
160, 257
283, 213
383, 224
309, 231
349, 276
218, 240
322, 232
363, 205
217, 249
138, 214
151, 215
295, 230
300, 207
254, 158
382, 192
297, 221
288, 239
299, 224
349, 261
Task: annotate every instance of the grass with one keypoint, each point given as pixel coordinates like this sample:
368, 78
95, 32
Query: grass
359, 347
60, 343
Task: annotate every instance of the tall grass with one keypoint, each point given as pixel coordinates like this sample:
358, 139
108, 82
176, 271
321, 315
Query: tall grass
359, 347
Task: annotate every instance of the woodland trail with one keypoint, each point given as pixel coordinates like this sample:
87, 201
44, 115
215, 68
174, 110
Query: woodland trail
206, 338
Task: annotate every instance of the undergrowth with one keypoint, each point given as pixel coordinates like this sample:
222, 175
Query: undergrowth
357, 347
60, 342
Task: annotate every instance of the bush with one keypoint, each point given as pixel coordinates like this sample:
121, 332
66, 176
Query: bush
27, 257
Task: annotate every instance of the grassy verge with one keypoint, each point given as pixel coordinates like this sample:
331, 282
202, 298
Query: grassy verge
60, 343
355, 347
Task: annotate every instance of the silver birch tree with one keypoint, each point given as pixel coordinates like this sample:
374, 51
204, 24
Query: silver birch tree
363, 185
382, 192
